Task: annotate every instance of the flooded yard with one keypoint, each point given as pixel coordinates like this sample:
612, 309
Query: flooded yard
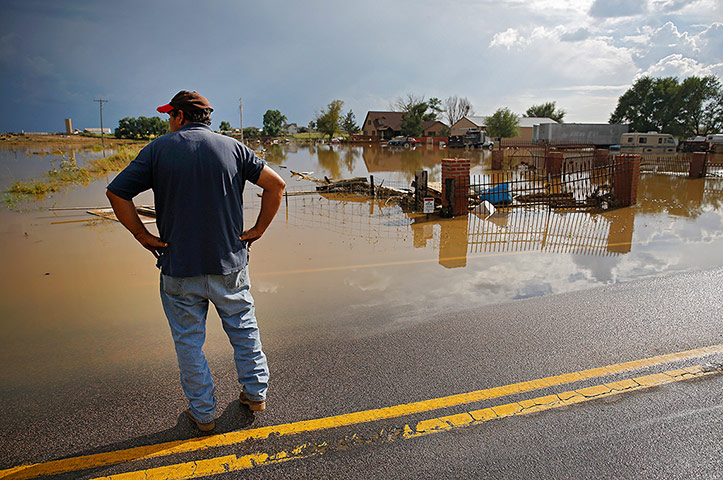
79, 297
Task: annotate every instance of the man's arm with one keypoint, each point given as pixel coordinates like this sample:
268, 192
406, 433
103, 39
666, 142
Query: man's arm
126, 212
273, 186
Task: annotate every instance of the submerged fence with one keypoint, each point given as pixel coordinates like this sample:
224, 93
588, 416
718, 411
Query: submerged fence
570, 180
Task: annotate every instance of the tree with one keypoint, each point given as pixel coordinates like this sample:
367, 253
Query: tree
348, 124
412, 120
141, 127
273, 121
546, 110
327, 122
665, 105
414, 112
225, 126
701, 103
456, 108
434, 105
502, 123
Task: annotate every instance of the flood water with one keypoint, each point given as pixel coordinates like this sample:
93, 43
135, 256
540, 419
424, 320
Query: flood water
79, 297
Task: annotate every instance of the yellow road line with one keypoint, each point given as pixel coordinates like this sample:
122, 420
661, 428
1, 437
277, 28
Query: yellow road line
230, 463
184, 446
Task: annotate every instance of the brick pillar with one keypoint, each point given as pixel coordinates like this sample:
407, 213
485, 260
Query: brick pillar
497, 157
602, 157
457, 169
553, 163
625, 179
697, 165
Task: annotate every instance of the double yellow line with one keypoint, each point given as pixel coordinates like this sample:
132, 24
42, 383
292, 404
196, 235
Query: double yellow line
223, 464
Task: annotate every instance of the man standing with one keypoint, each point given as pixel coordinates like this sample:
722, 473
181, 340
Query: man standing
198, 178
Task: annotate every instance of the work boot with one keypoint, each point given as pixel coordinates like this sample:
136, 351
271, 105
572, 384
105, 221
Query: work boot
204, 427
254, 405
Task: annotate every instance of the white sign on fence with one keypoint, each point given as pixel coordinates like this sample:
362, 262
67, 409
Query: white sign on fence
428, 205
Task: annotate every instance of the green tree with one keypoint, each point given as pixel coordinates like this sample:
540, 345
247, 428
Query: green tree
412, 120
251, 132
701, 104
273, 121
327, 122
141, 127
348, 124
502, 123
546, 110
225, 126
665, 105
434, 105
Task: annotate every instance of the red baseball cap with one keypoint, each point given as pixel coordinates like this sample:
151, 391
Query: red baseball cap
187, 101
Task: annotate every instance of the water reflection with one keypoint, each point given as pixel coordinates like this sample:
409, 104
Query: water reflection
325, 259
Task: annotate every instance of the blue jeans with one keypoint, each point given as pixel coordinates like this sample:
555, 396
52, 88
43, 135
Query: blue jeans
185, 301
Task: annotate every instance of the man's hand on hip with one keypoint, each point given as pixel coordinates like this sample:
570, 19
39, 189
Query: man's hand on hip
250, 236
151, 242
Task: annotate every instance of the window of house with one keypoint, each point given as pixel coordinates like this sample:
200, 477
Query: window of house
630, 140
660, 140
369, 122
381, 121
643, 140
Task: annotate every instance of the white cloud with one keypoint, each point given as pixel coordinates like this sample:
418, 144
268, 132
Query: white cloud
508, 39
676, 65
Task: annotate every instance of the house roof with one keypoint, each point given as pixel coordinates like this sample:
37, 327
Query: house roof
532, 121
427, 125
383, 120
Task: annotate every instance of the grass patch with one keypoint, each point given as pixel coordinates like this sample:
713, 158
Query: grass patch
68, 174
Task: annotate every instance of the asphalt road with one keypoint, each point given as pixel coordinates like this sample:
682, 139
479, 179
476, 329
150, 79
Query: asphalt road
670, 430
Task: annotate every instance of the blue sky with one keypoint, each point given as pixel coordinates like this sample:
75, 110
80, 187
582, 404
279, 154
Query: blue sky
56, 57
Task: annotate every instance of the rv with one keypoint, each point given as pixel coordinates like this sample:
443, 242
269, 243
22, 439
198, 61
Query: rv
715, 142
651, 143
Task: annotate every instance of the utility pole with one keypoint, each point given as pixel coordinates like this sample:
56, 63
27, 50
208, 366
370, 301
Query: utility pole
241, 114
102, 140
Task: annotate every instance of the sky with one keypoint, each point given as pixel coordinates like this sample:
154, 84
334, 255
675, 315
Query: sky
298, 56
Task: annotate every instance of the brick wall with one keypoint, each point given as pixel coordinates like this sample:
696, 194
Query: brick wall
457, 169
625, 179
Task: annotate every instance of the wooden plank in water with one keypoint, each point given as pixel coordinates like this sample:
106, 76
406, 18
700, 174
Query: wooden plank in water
108, 214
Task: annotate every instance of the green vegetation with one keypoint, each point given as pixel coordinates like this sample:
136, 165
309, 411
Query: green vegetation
665, 105
502, 123
546, 110
273, 122
225, 126
68, 173
141, 127
348, 124
415, 110
327, 122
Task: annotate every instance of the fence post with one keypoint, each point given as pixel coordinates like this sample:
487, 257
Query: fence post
456, 169
602, 157
553, 163
420, 188
626, 173
497, 157
697, 165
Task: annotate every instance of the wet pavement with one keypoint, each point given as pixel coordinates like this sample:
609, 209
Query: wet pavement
79, 301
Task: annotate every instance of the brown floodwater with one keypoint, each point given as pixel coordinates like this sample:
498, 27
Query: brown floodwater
78, 296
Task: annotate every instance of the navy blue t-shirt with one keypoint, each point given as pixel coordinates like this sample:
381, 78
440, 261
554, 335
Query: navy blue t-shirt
198, 178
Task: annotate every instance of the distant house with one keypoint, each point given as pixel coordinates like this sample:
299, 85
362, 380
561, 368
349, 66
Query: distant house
291, 129
461, 126
524, 133
96, 131
432, 128
526, 128
382, 125
385, 125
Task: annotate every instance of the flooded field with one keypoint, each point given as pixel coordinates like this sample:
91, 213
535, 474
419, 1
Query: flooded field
79, 297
